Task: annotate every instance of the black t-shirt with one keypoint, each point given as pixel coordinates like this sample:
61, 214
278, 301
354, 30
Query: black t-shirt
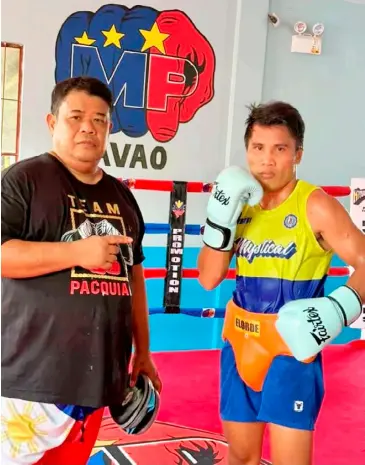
66, 337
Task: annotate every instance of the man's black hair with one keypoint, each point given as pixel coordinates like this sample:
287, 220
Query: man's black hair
276, 114
90, 85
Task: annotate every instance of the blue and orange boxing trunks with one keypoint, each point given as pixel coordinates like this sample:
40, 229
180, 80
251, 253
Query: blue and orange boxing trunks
261, 380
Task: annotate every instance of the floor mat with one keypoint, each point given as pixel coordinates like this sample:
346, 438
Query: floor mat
188, 430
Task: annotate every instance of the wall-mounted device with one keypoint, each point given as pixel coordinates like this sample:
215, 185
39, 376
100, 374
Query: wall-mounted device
304, 42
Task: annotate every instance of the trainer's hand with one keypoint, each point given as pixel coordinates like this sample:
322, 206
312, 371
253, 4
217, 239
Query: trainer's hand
143, 363
98, 251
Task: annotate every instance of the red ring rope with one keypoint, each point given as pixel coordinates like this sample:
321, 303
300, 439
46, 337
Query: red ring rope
337, 191
191, 273
167, 186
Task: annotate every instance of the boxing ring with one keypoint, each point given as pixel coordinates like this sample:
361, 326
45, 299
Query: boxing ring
188, 430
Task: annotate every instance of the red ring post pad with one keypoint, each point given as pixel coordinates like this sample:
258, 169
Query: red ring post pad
175, 247
168, 186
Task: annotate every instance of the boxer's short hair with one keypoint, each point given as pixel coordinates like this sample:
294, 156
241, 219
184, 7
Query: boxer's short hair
90, 85
276, 114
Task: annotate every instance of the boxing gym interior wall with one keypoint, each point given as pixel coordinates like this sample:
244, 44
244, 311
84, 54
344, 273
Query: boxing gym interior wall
239, 57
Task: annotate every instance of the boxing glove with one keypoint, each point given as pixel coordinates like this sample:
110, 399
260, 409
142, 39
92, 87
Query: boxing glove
308, 325
234, 187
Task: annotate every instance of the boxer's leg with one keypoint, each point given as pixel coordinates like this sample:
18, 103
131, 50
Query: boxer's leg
291, 400
289, 446
244, 442
239, 406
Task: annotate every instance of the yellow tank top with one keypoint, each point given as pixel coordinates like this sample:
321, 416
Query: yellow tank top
278, 258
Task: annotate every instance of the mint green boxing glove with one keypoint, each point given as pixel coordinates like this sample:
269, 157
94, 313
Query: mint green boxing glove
308, 325
233, 188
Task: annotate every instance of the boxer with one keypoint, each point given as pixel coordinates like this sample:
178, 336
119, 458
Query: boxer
73, 295
283, 232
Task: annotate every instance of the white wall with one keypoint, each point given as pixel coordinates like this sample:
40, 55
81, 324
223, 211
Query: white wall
327, 89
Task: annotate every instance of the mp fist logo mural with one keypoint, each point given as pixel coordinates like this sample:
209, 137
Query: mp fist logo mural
158, 65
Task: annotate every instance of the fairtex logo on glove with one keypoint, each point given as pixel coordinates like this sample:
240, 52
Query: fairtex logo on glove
221, 196
319, 332
157, 65
250, 250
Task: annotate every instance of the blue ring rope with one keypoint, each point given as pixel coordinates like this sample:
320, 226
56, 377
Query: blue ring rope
165, 228
197, 312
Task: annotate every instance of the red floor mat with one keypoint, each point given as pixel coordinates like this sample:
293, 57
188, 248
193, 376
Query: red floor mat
190, 399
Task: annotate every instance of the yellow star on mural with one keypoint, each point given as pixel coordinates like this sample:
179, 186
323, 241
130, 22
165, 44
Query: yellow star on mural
84, 39
154, 38
113, 37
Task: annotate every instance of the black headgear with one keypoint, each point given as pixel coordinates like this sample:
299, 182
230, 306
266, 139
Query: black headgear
139, 409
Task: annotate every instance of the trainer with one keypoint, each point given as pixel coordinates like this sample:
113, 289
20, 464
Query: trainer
73, 291
284, 233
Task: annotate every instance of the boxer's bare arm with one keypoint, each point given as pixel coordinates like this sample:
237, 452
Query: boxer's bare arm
333, 226
23, 259
213, 266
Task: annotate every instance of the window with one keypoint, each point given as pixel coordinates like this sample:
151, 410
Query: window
11, 79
